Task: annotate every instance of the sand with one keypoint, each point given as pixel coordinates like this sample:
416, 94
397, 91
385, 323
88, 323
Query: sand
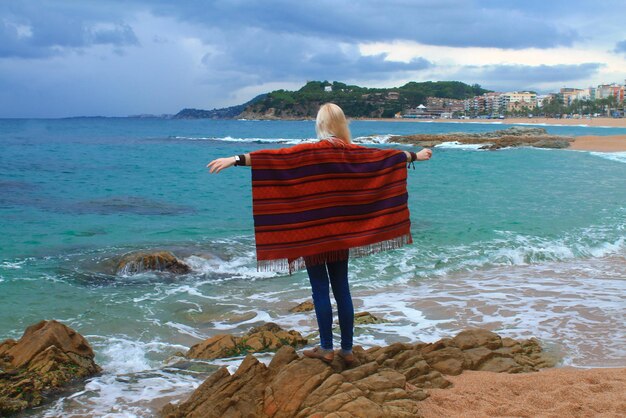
615, 143
558, 392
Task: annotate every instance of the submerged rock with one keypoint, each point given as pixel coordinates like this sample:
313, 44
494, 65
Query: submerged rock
48, 357
303, 307
365, 318
514, 136
139, 262
268, 337
383, 382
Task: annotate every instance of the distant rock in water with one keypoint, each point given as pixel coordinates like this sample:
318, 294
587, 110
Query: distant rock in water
48, 357
267, 337
514, 136
140, 262
384, 381
128, 204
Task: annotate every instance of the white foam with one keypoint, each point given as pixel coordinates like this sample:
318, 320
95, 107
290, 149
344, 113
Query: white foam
458, 145
620, 157
242, 266
373, 139
12, 264
129, 383
257, 140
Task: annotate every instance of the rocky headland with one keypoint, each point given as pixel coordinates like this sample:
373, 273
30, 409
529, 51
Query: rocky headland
511, 137
46, 359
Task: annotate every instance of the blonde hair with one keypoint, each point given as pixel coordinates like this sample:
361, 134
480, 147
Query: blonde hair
331, 122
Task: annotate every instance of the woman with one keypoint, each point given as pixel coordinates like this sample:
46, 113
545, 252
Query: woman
315, 205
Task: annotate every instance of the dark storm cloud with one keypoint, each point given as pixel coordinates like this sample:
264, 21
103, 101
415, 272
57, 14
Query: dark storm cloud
435, 22
36, 30
265, 56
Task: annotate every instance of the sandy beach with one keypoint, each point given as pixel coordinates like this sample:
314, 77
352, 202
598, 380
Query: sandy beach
559, 392
615, 143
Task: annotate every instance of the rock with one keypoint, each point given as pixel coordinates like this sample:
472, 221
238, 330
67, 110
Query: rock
384, 381
156, 261
364, 318
301, 387
476, 338
303, 307
515, 136
48, 357
268, 337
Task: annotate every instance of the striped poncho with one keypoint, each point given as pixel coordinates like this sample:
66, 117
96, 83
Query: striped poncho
325, 201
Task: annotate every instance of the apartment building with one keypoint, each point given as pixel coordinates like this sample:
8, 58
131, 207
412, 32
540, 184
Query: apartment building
515, 100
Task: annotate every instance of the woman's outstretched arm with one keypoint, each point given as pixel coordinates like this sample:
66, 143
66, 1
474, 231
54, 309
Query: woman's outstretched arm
423, 155
219, 164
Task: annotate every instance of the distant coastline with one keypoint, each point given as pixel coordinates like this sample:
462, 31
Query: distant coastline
594, 122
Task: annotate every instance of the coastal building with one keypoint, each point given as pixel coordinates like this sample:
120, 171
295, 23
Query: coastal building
328, 89
393, 95
568, 95
611, 90
488, 103
545, 98
418, 112
493, 102
517, 100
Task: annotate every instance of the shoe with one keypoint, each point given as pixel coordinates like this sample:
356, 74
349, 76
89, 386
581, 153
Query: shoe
348, 358
317, 352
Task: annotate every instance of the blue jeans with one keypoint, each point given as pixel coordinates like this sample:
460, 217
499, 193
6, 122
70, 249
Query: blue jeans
337, 274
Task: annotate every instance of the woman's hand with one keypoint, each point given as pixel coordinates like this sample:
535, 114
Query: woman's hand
424, 154
221, 163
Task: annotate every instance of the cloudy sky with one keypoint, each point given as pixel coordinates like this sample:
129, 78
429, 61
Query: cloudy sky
115, 58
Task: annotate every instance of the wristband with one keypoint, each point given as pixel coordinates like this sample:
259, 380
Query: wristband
413, 156
240, 160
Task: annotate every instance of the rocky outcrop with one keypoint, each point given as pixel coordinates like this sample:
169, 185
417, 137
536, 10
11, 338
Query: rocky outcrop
514, 136
48, 357
268, 337
383, 382
138, 262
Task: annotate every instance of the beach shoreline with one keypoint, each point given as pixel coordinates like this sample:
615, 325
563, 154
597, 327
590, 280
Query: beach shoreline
593, 122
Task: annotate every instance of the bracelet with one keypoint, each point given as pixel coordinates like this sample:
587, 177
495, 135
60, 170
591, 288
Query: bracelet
413, 156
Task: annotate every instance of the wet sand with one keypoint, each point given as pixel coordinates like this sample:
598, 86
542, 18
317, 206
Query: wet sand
615, 143
559, 392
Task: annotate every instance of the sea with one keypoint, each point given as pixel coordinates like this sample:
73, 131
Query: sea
525, 242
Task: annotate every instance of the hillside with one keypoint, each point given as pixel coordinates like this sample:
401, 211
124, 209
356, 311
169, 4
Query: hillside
223, 113
356, 101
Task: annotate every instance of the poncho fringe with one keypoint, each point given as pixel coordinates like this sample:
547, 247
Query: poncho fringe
321, 202
284, 264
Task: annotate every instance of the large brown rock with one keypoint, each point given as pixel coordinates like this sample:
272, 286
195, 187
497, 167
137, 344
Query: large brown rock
515, 136
383, 382
138, 262
301, 387
46, 358
268, 337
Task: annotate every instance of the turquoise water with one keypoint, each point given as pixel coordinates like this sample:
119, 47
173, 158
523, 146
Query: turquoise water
77, 193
